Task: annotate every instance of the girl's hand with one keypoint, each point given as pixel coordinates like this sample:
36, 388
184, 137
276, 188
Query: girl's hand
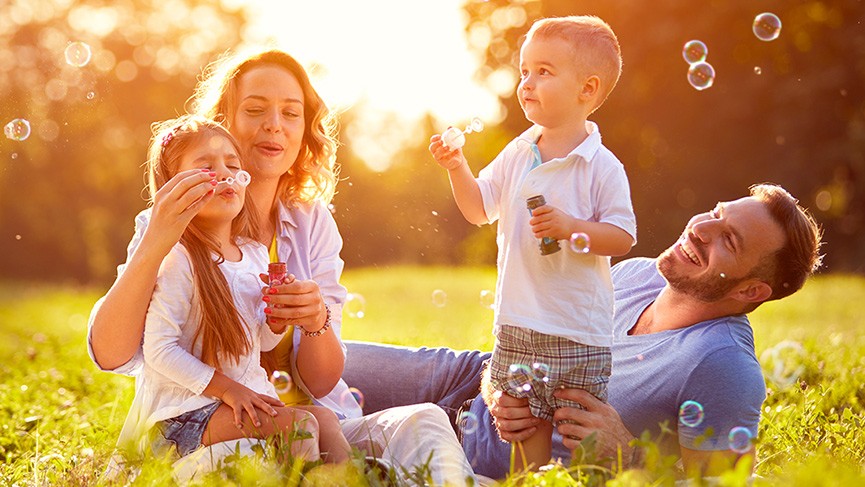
549, 221
447, 158
295, 302
177, 202
243, 399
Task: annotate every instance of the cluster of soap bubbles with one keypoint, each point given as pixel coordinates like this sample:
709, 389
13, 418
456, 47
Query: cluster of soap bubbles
242, 178
355, 305
783, 363
522, 378
691, 414
701, 74
454, 138
281, 381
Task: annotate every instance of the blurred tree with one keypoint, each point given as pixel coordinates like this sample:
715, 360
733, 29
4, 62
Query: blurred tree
68, 192
790, 111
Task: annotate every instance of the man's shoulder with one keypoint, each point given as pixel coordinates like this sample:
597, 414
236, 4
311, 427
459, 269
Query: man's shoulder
635, 267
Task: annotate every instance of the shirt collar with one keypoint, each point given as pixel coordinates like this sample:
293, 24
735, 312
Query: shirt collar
586, 150
286, 216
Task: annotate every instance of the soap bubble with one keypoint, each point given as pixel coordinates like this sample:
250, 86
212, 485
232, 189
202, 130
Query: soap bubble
691, 413
468, 422
488, 299
580, 243
439, 298
758, 70
519, 379
784, 363
352, 396
355, 305
695, 52
701, 75
767, 26
541, 372
78, 54
18, 129
281, 381
740, 439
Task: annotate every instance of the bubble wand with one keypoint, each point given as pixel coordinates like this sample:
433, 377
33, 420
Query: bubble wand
454, 138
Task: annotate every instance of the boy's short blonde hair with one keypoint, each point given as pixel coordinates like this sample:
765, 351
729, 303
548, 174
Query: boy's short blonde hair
595, 46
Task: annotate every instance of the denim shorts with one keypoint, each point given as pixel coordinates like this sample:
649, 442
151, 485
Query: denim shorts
184, 432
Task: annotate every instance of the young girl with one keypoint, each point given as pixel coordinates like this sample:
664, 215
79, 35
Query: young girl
205, 327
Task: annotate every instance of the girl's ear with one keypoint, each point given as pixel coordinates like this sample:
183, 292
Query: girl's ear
590, 88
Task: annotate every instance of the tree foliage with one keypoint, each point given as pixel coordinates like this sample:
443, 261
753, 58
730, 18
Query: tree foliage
790, 111
68, 192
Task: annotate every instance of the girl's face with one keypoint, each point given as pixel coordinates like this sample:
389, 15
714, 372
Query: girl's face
269, 121
216, 152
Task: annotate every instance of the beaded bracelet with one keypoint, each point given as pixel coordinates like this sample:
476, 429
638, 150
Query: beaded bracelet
320, 331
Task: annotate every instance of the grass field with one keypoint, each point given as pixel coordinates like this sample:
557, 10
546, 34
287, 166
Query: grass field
60, 416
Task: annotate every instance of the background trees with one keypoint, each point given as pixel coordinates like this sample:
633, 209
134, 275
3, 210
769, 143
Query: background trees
791, 111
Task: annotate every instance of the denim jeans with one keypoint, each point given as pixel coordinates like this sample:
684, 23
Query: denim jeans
389, 376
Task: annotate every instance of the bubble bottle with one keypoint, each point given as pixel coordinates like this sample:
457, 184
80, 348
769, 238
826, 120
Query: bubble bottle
454, 138
548, 245
276, 273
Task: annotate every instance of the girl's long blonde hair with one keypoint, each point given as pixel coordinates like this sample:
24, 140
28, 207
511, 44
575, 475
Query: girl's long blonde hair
222, 331
314, 175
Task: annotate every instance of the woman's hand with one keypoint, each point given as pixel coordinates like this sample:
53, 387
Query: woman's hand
176, 204
295, 302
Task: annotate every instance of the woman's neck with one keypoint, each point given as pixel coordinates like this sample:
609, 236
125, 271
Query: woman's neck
263, 194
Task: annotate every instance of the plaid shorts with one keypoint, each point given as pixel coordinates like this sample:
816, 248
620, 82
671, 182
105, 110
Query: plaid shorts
183, 432
530, 364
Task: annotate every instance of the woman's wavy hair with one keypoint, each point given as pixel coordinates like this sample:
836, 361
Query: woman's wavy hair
314, 175
222, 331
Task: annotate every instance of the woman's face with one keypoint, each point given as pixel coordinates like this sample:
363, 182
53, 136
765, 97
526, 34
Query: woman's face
269, 121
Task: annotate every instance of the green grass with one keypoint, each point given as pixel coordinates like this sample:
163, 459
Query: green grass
60, 416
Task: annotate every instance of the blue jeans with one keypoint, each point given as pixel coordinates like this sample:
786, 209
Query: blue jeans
390, 375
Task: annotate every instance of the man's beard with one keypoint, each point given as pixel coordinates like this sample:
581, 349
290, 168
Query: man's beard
708, 289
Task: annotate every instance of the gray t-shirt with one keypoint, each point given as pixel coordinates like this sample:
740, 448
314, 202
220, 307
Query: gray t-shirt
711, 363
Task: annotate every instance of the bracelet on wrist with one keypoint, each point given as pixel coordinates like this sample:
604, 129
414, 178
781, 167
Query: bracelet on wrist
321, 330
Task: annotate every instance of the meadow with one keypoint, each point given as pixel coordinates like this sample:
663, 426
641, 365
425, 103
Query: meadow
60, 416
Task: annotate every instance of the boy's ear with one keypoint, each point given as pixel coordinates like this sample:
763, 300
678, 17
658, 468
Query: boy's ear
590, 88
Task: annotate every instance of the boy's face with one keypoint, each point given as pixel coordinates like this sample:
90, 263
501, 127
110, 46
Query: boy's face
550, 82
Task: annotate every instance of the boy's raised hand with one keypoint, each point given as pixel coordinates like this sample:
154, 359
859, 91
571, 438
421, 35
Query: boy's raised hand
446, 157
549, 221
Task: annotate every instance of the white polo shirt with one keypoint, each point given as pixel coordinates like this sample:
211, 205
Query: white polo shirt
565, 294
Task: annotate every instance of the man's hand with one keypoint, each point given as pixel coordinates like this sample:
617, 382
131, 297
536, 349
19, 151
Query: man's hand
598, 417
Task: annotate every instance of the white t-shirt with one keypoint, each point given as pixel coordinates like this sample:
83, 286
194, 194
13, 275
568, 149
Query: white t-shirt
567, 294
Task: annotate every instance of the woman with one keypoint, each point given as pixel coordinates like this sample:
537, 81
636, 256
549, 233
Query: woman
288, 138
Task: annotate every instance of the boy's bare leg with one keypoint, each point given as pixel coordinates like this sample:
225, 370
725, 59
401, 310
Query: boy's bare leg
536, 449
221, 428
